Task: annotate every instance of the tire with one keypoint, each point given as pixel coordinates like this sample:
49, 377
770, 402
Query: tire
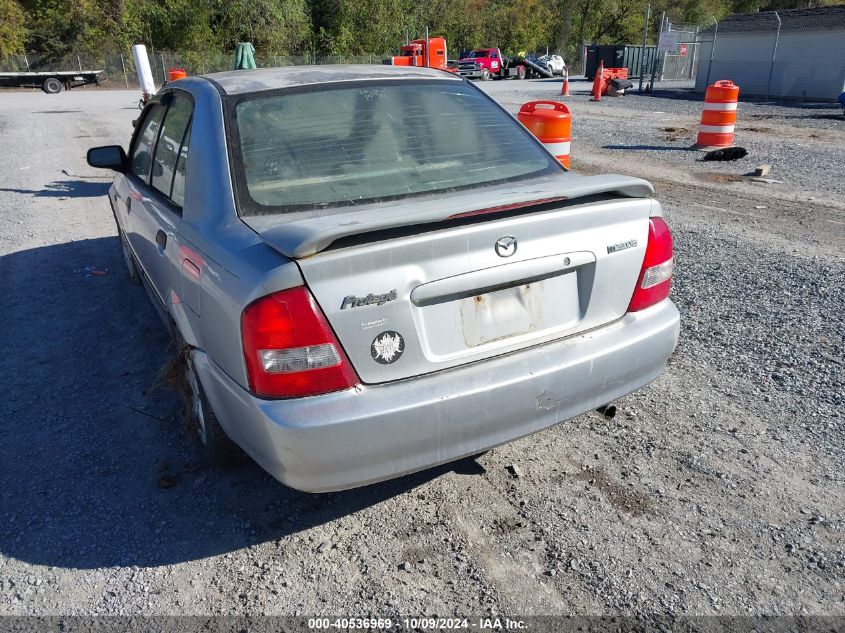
485, 74
216, 448
520, 72
52, 86
131, 266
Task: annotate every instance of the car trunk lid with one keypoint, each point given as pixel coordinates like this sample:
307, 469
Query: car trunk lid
468, 279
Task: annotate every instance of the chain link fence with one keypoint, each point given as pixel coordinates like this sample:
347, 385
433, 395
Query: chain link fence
119, 68
790, 54
680, 62
673, 59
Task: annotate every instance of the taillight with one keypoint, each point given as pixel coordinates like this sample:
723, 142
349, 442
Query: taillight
656, 274
289, 348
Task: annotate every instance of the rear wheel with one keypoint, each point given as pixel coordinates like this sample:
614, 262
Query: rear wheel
485, 74
216, 447
52, 86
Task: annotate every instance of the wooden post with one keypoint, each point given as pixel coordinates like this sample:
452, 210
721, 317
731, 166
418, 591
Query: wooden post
123, 65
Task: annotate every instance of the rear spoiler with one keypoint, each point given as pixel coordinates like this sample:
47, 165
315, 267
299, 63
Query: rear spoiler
299, 235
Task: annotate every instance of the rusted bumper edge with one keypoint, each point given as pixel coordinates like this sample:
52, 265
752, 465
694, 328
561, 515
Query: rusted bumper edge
376, 432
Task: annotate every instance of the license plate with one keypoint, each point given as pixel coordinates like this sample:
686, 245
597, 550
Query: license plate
533, 307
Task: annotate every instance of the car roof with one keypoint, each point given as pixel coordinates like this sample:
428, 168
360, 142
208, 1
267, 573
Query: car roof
235, 82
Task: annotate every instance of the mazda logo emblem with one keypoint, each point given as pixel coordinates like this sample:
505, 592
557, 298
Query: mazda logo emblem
505, 246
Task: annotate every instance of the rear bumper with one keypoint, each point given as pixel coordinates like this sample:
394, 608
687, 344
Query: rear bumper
375, 432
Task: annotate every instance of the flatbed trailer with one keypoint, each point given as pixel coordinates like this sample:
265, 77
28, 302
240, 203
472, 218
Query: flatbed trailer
50, 81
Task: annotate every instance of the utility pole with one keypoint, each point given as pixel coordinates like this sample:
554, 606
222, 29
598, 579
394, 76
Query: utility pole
645, 43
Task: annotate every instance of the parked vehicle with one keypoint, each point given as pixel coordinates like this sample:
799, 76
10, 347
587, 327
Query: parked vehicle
489, 63
51, 82
429, 53
374, 270
554, 63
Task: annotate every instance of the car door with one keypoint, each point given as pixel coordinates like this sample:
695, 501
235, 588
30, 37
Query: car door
157, 228
494, 62
134, 192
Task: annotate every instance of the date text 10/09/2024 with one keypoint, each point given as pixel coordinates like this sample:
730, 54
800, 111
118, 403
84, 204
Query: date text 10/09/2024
421, 623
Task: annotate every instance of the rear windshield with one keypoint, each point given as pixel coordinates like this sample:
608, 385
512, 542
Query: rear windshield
359, 143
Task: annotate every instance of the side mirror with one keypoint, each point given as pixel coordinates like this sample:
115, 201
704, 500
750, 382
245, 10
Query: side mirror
108, 157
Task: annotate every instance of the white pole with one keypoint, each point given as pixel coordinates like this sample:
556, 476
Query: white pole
145, 73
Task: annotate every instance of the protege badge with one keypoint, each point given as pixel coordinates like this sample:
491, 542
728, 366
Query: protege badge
621, 246
352, 301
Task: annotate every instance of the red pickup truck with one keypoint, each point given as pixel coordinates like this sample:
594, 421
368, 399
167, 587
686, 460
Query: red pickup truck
486, 63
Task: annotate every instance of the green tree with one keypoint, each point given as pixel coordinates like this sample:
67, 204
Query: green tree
13, 31
55, 29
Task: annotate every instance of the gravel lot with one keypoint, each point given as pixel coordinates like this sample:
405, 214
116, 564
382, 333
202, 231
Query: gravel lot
647, 134
716, 490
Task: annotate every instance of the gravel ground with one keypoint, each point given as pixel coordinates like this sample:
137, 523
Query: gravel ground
718, 489
648, 134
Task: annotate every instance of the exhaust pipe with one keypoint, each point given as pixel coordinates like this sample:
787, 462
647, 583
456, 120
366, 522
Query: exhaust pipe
608, 411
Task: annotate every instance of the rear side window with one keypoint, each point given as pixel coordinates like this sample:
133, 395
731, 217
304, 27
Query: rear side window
168, 149
142, 154
329, 147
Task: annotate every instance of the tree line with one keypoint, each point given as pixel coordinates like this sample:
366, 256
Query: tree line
56, 29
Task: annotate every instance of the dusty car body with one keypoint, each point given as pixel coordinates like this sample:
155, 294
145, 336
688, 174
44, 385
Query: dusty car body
357, 303
555, 63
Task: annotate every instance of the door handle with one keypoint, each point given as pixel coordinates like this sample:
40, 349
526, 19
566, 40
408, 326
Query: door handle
128, 205
161, 240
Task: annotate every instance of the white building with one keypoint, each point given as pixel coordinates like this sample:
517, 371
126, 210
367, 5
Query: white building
794, 54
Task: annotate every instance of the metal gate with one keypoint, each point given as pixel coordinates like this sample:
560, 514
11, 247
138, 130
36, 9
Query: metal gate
680, 61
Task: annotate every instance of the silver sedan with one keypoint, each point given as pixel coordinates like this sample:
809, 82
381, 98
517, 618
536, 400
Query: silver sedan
372, 270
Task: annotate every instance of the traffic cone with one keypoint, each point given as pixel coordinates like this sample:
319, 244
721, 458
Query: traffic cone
564, 89
597, 82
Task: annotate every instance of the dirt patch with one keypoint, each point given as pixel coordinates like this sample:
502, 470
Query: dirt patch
675, 133
505, 525
624, 497
762, 130
717, 177
418, 554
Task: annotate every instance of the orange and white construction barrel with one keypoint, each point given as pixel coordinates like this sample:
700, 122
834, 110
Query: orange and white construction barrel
719, 116
551, 123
